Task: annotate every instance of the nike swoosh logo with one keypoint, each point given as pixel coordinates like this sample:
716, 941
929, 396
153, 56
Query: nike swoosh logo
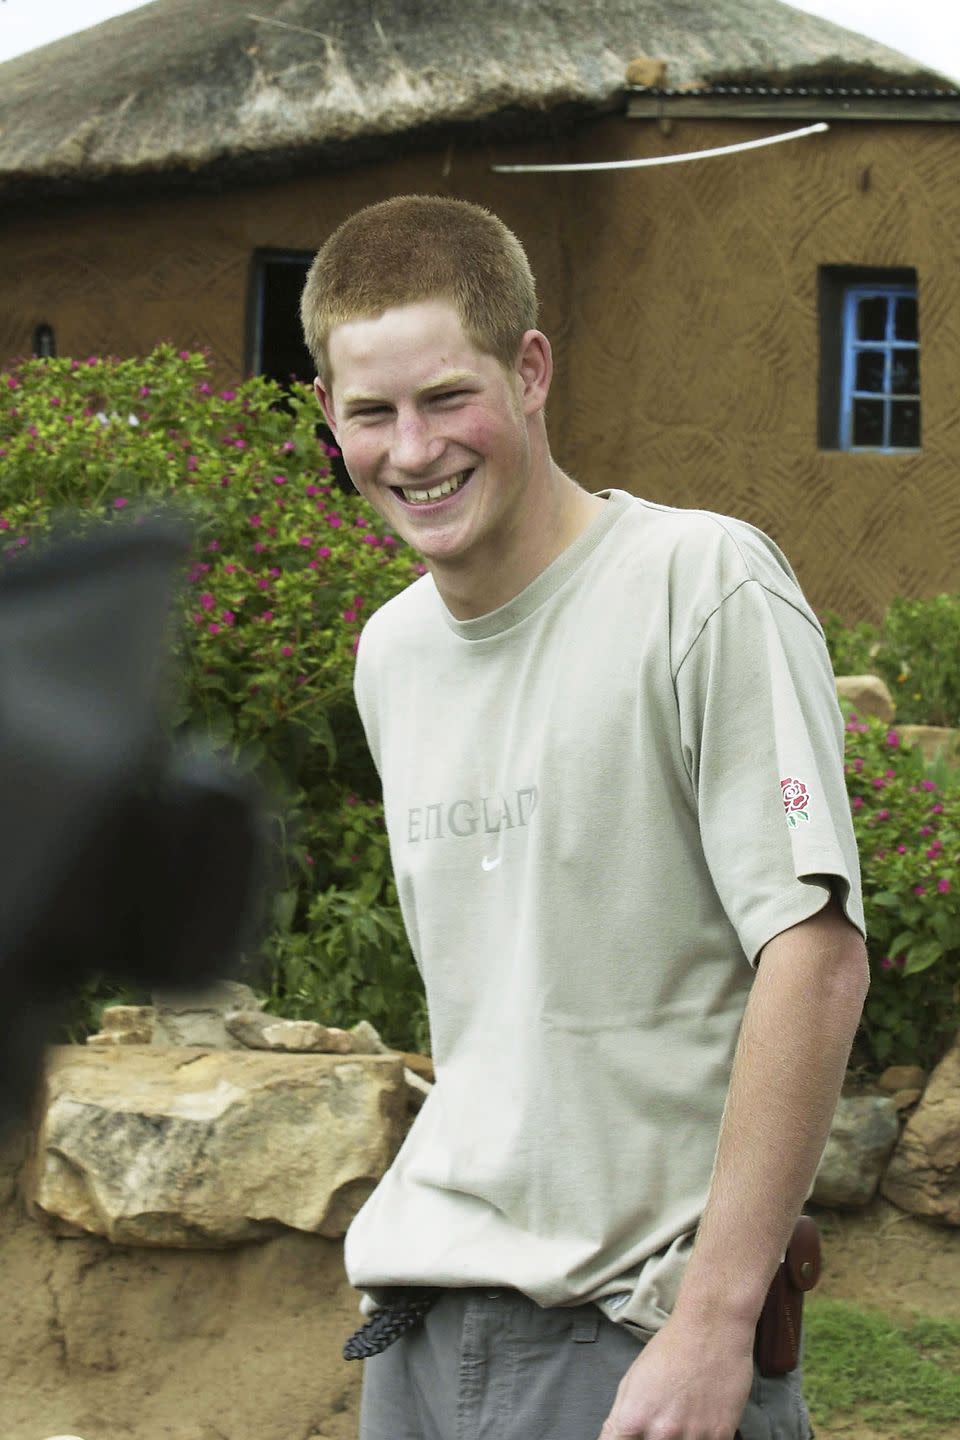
489, 864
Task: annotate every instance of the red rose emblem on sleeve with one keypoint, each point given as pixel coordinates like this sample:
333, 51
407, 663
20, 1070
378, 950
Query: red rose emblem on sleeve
796, 799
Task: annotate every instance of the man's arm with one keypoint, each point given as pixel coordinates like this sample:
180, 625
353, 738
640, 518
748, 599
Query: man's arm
692, 1380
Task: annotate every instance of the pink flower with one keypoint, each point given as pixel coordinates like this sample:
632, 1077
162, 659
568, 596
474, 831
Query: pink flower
12, 383
228, 394
214, 628
886, 963
305, 540
204, 388
311, 490
267, 616
936, 809
214, 545
4, 524
880, 855
334, 521
928, 785
263, 583
192, 462
279, 479
926, 830
286, 651
934, 850
240, 444
119, 503
350, 616
301, 679
919, 889
879, 783
857, 802
371, 539
255, 521
389, 540
55, 400
421, 569
276, 572
259, 548
324, 551
207, 600
144, 391
943, 886
901, 849
228, 617
893, 739
287, 446
229, 569
184, 354
883, 814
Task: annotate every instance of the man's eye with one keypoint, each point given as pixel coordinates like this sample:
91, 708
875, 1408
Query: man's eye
450, 395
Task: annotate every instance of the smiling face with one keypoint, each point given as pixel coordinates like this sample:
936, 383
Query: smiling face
445, 442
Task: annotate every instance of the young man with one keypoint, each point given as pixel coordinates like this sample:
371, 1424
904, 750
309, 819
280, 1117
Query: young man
611, 760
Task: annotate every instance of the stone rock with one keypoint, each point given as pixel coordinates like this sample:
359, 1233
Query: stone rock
421, 1065
196, 1017
259, 1031
868, 695
903, 1099
902, 1077
647, 72
932, 740
863, 1133
366, 1040
154, 1147
126, 1025
923, 1176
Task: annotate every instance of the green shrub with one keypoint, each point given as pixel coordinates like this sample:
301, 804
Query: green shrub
908, 833
284, 572
916, 651
919, 657
852, 647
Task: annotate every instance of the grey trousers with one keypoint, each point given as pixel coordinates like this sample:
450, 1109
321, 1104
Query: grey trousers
495, 1366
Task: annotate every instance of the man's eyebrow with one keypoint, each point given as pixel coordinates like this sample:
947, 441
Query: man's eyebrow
354, 399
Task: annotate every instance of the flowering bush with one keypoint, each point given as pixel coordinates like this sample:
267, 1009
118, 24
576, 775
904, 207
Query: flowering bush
284, 571
908, 833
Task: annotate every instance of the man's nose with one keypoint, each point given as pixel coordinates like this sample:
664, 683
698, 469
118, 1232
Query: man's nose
414, 446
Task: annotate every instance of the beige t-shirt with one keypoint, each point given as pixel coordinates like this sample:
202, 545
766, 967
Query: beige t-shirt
585, 798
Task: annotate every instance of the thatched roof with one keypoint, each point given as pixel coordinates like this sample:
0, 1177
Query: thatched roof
221, 87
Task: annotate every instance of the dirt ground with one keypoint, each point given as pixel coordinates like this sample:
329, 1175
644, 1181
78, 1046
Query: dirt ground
112, 1343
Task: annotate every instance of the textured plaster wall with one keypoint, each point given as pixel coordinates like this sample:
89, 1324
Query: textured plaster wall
682, 303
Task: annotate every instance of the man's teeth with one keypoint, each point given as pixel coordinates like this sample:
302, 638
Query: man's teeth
446, 487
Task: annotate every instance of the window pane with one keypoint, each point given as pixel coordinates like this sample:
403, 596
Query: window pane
868, 422
905, 321
872, 318
905, 425
905, 372
870, 370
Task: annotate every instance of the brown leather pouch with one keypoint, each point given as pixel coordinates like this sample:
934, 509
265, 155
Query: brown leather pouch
777, 1346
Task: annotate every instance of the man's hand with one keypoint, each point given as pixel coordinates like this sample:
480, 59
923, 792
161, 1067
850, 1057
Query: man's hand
686, 1384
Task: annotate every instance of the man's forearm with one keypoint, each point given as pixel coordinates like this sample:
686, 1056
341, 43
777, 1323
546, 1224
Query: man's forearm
794, 1043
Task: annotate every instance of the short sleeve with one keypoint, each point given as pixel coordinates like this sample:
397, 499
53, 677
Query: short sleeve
762, 740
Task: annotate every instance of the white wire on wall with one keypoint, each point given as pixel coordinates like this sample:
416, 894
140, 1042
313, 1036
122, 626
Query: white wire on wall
665, 159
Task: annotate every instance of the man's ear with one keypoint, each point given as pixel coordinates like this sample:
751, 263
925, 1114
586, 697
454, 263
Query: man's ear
326, 404
535, 368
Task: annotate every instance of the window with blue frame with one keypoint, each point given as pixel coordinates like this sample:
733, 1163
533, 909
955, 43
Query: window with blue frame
870, 360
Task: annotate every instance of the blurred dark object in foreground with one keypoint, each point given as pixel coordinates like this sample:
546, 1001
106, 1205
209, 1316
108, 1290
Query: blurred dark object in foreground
121, 854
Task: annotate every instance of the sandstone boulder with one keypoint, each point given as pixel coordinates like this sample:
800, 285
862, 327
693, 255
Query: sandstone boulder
862, 1135
868, 695
196, 1017
932, 740
126, 1025
259, 1031
147, 1146
902, 1077
923, 1176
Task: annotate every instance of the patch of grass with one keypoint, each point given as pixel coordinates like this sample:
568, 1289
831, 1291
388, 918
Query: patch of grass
859, 1363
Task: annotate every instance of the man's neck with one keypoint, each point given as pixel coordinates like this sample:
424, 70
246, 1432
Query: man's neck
487, 582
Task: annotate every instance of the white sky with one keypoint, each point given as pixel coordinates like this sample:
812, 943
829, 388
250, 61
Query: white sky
926, 29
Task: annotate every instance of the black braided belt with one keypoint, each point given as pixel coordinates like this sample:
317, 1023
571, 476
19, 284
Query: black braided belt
389, 1323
